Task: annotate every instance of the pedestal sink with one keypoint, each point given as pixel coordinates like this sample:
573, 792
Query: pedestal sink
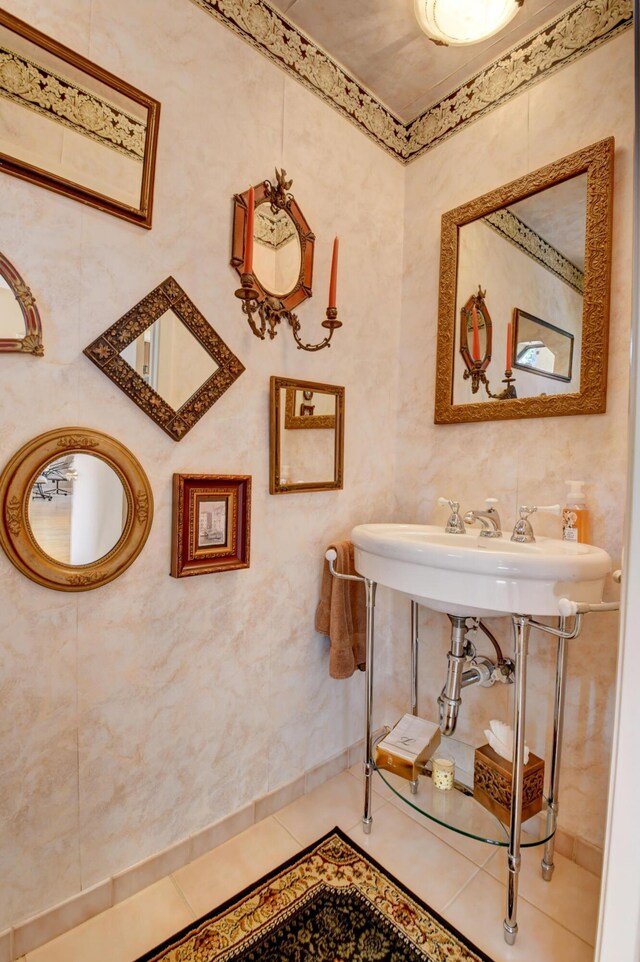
465, 574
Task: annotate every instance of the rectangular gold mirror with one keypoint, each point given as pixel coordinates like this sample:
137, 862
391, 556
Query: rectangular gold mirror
538, 253
72, 127
303, 459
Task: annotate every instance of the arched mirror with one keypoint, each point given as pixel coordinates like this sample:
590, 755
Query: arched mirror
76, 509
540, 247
20, 328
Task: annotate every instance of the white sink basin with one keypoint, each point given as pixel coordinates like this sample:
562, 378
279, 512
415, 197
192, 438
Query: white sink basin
464, 574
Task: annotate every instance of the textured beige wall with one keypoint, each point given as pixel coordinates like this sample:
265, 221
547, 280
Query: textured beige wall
527, 461
136, 714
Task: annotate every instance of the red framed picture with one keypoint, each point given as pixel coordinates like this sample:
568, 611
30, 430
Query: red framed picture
211, 523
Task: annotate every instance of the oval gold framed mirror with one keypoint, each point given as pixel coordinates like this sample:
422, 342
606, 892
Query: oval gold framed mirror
76, 509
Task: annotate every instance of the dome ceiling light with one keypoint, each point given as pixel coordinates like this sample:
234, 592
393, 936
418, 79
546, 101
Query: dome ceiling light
459, 22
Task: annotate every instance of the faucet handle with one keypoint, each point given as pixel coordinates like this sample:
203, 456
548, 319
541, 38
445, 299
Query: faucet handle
523, 532
455, 524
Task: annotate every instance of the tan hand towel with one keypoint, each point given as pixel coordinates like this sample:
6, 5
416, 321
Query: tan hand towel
341, 614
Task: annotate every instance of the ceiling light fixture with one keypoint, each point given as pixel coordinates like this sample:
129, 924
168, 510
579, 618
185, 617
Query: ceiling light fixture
458, 22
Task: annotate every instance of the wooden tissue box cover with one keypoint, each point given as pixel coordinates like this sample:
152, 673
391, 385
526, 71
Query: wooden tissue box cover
492, 784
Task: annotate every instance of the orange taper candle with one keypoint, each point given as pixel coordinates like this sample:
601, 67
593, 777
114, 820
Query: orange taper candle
248, 241
476, 334
509, 358
334, 274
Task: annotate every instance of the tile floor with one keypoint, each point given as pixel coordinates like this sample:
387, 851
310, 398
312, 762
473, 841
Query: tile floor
461, 879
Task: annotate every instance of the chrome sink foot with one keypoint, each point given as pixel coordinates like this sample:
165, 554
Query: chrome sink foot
547, 871
510, 932
366, 825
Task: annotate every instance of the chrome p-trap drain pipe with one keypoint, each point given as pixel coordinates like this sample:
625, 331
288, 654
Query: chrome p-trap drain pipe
460, 676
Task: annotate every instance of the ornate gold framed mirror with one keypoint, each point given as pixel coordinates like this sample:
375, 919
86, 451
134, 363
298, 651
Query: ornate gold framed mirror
74, 128
167, 358
540, 245
20, 327
76, 509
306, 460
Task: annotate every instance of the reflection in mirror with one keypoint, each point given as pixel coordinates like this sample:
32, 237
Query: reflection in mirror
78, 509
306, 409
72, 127
20, 328
170, 360
541, 348
166, 356
276, 250
306, 460
307, 456
528, 254
540, 248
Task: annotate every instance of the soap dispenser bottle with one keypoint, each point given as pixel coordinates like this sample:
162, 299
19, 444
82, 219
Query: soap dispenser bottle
575, 515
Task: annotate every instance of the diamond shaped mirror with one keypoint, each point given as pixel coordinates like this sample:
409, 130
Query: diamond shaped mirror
166, 356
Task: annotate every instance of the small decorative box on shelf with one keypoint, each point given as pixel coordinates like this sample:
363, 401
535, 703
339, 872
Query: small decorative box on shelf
405, 749
492, 784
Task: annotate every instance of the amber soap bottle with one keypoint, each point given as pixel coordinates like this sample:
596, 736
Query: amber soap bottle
575, 514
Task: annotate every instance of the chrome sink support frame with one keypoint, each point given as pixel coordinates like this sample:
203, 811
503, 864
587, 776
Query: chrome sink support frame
522, 625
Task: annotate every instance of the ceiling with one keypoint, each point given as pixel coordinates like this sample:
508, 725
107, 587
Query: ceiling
380, 43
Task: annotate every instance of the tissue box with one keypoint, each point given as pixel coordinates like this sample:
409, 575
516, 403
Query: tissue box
492, 784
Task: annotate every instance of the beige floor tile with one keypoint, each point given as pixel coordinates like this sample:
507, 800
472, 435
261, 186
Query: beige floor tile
429, 868
215, 877
571, 897
124, 932
379, 785
337, 802
478, 910
478, 852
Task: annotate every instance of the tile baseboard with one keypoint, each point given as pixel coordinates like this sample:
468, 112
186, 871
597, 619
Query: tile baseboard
35, 931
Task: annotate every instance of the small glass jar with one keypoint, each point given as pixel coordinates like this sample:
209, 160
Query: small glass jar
443, 771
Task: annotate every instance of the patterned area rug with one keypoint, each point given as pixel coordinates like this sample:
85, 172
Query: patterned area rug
329, 903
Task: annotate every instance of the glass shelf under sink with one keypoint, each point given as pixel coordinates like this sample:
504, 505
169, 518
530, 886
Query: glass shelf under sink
458, 810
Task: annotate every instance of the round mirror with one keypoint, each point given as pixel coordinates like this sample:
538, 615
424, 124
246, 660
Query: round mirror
277, 252
78, 509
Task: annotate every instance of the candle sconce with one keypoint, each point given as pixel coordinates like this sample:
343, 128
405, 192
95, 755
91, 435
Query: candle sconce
475, 320
272, 250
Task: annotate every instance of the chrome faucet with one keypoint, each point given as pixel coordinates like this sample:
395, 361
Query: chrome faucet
454, 524
489, 519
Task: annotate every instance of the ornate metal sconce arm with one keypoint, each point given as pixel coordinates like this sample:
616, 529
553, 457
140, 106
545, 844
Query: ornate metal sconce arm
271, 312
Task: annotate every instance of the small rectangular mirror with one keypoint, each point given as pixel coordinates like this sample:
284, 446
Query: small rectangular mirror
307, 436
542, 349
70, 126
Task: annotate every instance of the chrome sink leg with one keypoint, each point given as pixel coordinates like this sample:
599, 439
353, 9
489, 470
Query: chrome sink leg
521, 639
370, 592
414, 658
414, 676
556, 750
